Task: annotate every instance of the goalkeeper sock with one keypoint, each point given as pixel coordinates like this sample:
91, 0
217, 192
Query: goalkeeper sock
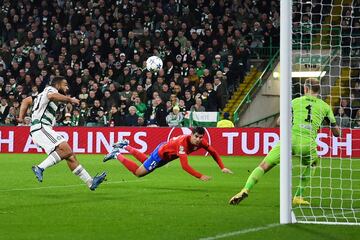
130, 165
51, 160
254, 177
304, 180
137, 154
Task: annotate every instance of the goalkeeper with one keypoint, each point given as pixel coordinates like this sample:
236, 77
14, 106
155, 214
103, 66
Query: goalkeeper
308, 113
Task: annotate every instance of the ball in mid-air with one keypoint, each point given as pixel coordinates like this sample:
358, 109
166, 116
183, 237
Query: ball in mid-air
154, 64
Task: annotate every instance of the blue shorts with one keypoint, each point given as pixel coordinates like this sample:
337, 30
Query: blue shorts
154, 160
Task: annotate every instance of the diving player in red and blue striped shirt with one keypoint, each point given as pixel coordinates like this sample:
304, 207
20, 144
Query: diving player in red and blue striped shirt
178, 147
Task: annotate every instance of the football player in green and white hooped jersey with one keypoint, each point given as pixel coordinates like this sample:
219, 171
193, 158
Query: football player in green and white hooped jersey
309, 112
42, 133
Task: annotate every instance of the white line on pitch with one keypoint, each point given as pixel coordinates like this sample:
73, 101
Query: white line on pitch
258, 229
236, 233
67, 186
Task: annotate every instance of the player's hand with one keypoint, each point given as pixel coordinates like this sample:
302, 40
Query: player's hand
205, 178
74, 101
226, 170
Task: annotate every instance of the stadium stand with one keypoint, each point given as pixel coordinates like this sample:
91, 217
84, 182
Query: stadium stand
100, 48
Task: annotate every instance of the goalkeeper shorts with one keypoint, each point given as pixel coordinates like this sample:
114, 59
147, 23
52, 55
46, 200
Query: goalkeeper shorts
305, 148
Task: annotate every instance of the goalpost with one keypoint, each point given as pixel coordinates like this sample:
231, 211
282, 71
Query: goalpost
318, 39
285, 110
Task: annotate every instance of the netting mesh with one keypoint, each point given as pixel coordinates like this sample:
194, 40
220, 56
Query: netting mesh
326, 45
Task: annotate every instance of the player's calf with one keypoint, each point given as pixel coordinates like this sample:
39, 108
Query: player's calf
72, 162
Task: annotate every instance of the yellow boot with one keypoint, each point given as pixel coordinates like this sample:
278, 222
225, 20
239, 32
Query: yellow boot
300, 201
239, 197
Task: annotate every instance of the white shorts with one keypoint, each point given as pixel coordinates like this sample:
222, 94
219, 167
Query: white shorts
47, 138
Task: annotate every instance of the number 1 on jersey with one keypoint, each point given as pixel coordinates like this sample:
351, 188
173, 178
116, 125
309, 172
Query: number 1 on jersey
308, 119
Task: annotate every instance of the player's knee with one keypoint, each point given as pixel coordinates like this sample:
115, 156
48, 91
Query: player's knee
65, 151
265, 166
139, 173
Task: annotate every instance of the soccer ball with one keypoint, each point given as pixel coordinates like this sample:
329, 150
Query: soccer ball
154, 64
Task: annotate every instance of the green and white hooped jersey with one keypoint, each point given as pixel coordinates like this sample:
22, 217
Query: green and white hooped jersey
44, 110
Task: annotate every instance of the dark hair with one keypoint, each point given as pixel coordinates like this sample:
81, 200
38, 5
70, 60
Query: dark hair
57, 80
198, 130
313, 84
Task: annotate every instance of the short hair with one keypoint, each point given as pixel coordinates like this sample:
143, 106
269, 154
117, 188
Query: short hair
57, 80
313, 84
198, 130
132, 108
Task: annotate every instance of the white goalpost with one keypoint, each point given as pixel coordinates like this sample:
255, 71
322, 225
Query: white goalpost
321, 39
285, 110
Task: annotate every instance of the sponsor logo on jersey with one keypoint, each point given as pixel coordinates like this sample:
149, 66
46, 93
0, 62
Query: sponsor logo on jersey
181, 150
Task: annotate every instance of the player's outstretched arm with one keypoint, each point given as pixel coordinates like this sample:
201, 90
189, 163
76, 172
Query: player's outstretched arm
57, 97
24, 107
185, 165
215, 155
335, 129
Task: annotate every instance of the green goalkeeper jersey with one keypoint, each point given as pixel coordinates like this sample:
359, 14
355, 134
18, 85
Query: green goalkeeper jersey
308, 114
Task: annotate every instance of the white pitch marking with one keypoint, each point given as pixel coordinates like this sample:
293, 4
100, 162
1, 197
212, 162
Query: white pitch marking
6, 212
236, 233
66, 186
258, 229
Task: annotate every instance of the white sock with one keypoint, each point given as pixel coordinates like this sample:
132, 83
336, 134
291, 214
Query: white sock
83, 175
51, 160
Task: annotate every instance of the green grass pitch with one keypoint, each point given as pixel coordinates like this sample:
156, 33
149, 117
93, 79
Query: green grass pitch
167, 204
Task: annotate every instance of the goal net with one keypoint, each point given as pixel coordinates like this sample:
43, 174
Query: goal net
326, 46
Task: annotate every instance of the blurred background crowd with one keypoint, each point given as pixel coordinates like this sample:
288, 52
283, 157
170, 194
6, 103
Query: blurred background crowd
100, 47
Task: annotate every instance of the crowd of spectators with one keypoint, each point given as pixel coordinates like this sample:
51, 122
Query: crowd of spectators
312, 19
350, 30
100, 48
348, 113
